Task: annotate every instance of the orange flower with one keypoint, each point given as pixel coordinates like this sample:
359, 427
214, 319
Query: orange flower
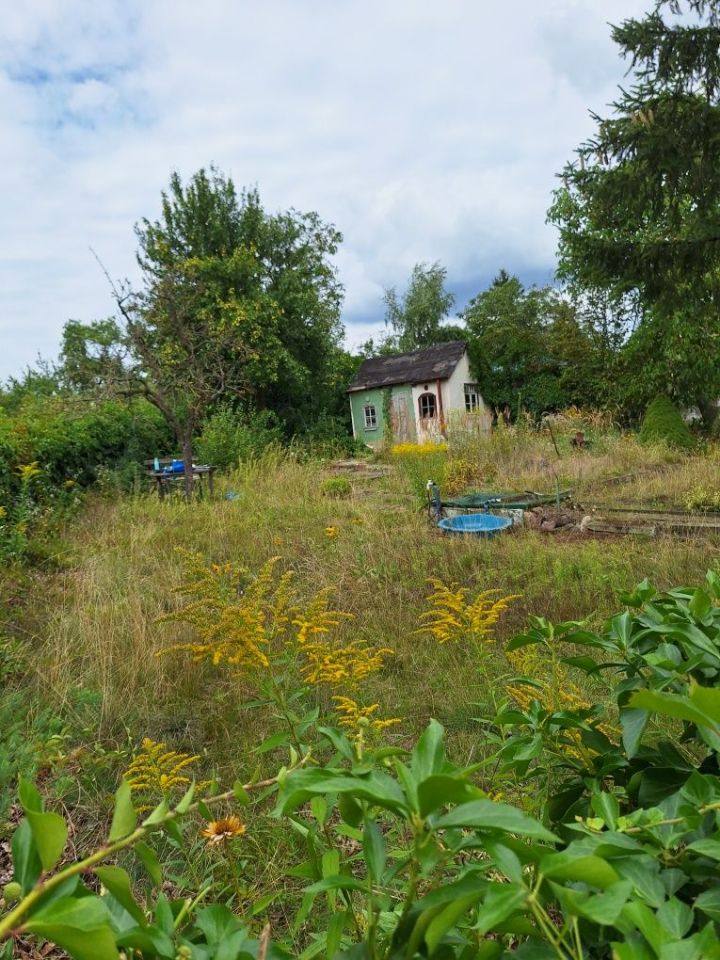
218, 831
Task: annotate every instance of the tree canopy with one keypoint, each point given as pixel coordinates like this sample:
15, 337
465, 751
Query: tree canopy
639, 208
417, 318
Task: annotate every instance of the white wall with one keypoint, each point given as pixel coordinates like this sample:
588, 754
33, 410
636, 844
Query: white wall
453, 404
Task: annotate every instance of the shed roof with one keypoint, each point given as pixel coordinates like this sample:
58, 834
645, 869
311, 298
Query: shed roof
430, 363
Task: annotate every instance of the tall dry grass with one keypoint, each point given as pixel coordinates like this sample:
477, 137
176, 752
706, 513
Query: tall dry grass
100, 631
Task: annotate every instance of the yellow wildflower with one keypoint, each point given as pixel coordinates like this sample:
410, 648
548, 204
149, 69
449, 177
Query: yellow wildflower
69, 484
331, 532
220, 831
344, 665
354, 716
29, 470
454, 617
417, 449
157, 771
3, 512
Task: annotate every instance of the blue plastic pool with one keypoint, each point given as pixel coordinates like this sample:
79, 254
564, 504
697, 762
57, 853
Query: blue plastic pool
480, 524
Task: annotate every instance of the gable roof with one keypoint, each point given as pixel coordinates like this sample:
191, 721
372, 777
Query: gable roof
430, 363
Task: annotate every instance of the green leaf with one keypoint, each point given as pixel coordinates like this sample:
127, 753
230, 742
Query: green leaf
79, 926
447, 918
158, 814
503, 899
606, 806
605, 908
676, 917
441, 789
30, 799
117, 882
150, 861
633, 723
428, 757
26, 861
670, 705
709, 903
124, 816
184, 805
337, 882
350, 809
50, 833
487, 815
240, 793
706, 699
578, 868
276, 740
374, 850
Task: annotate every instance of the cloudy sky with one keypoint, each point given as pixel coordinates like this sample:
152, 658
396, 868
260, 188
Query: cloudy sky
424, 129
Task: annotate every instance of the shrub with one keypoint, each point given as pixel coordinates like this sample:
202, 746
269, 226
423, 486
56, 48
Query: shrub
230, 437
664, 422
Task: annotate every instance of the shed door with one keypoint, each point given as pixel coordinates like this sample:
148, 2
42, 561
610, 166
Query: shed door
402, 425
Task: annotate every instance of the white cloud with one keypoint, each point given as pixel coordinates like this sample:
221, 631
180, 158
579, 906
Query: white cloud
424, 131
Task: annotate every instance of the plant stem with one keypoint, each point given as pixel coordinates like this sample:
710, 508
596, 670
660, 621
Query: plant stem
11, 920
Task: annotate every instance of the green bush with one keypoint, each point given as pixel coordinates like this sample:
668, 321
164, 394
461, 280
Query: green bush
664, 422
230, 437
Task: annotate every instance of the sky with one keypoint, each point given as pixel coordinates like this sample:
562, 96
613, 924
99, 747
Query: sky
425, 130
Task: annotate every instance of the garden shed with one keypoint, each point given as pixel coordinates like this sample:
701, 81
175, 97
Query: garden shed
412, 397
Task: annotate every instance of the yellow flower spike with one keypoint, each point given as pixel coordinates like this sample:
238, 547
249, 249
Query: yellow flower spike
454, 617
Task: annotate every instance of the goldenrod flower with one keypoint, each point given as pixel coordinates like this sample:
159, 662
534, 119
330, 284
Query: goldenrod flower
354, 716
417, 449
157, 771
220, 831
29, 470
454, 617
3, 512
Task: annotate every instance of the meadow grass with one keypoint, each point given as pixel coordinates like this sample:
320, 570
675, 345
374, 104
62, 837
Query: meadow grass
373, 549
96, 653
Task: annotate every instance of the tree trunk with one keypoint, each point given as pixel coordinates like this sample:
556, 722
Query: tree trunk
186, 442
710, 413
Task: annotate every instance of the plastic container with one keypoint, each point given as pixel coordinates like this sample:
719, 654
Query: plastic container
476, 524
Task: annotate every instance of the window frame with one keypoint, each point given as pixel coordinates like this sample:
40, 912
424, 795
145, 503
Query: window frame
370, 419
427, 396
473, 399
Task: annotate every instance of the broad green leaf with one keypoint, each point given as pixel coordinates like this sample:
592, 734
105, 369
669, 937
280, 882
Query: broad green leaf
335, 927
30, 799
670, 705
676, 917
487, 815
633, 723
707, 700
502, 901
79, 926
428, 757
124, 816
606, 806
50, 833
350, 810
439, 790
709, 903
578, 868
117, 882
604, 908
150, 861
376, 787
374, 850
643, 918
26, 861
447, 918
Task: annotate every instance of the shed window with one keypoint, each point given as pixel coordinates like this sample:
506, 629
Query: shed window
370, 416
427, 406
472, 397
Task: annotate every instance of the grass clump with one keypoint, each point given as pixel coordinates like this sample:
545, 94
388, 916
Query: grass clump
339, 488
664, 422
